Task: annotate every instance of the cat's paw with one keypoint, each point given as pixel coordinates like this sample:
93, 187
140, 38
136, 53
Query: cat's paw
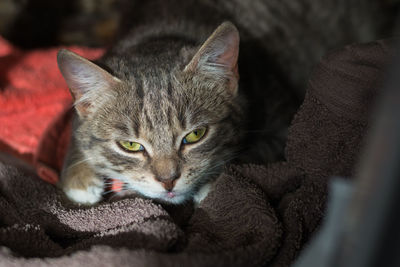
89, 196
81, 185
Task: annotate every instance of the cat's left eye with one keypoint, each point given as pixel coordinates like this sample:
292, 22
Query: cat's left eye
131, 146
194, 136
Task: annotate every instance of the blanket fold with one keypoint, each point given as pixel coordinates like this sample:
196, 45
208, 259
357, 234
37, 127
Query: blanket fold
255, 216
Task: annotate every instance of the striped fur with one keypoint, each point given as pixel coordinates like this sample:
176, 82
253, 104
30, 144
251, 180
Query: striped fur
171, 74
162, 99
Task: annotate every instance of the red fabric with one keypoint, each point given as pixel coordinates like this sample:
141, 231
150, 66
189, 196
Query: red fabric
35, 106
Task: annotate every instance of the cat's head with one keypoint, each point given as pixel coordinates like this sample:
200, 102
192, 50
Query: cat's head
162, 131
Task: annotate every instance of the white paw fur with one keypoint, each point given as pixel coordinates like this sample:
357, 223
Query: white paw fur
90, 196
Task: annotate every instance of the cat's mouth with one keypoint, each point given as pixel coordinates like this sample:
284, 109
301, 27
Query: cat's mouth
171, 194
172, 197
166, 196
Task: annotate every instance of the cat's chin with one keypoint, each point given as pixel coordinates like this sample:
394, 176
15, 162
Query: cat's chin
167, 197
172, 198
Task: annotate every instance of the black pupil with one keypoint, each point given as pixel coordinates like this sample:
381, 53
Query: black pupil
195, 132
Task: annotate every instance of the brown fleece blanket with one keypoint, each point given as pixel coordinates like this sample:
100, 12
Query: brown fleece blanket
257, 215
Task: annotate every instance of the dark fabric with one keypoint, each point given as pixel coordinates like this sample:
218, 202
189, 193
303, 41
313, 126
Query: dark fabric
350, 78
257, 215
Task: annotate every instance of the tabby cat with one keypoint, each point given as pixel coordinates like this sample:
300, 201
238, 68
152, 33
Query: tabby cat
162, 110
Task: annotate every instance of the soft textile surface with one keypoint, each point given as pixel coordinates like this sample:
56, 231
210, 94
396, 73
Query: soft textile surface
34, 97
257, 215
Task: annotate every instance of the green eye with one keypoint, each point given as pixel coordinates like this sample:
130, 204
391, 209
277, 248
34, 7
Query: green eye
131, 146
194, 136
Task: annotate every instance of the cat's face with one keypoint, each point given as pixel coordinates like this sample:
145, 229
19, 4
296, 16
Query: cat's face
162, 145
163, 132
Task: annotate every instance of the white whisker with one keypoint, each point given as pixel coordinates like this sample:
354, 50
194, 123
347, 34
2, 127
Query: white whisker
78, 162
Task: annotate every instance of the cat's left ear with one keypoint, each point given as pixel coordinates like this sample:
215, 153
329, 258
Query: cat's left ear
218, 56
86, 81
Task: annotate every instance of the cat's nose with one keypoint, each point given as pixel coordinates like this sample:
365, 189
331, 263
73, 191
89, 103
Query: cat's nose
166, 170
168, 182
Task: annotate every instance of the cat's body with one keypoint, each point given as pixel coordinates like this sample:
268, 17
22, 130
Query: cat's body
171, 80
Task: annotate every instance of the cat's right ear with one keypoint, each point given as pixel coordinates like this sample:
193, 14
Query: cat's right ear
218, 56
86, 80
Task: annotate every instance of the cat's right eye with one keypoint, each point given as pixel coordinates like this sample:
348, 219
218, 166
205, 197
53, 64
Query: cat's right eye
131, 146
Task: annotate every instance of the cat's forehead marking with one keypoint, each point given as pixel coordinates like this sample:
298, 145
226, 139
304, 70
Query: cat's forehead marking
164, 106
158, 117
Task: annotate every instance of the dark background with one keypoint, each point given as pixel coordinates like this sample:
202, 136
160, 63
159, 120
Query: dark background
42, 23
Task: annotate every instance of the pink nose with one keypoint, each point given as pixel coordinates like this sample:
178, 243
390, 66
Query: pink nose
168, 182
166, 170
168, 185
